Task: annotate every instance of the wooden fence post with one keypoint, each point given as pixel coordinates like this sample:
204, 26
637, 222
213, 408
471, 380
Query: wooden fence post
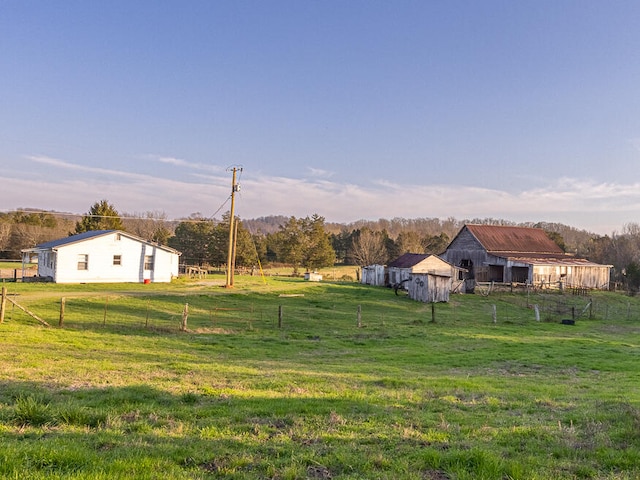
185, 315
62, 305
495, 314
3, 303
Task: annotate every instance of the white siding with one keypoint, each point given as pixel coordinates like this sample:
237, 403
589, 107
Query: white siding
100, 252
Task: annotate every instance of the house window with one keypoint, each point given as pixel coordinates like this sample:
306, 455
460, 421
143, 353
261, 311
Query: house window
148, 262
117, 236
83, 262
117, 259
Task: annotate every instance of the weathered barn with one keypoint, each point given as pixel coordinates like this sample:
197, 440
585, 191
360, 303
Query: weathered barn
506, 254
102, 256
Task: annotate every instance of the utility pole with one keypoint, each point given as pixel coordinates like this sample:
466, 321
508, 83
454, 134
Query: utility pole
232, 236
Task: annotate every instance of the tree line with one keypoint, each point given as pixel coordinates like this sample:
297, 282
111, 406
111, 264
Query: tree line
304, 243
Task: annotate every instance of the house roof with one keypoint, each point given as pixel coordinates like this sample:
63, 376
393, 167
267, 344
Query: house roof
408, 260
507, 239
80, 237
73, 239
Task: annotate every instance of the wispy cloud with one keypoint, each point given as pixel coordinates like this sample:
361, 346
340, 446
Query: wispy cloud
320, 173
583, 203
179, 162
54, 162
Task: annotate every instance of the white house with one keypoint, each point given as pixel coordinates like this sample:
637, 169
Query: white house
104, 256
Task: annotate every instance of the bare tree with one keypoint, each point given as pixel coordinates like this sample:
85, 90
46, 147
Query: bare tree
368, 248
5, 234
409, 242
152, 226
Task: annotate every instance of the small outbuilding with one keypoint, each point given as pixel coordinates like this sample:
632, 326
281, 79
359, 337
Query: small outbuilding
406, 266
373, 275
104, 256
429, 287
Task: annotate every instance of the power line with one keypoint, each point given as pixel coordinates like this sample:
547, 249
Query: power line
123, 217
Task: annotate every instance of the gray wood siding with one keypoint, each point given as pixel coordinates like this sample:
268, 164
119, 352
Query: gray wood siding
465, 248
429, 288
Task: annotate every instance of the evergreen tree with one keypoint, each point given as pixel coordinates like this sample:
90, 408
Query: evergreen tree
101, 216
318, 251
304, 243
193, 238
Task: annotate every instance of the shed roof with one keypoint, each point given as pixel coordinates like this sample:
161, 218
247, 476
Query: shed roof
408, 260
508, 239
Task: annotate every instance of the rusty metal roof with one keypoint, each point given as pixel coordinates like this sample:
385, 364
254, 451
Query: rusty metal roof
553, 260
507, 239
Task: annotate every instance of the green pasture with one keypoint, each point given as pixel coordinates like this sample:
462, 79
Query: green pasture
278, 378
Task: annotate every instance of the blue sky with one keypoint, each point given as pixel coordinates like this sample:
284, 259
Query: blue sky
521, 110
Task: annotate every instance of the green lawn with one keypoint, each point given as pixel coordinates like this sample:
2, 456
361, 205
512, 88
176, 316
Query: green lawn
274, 379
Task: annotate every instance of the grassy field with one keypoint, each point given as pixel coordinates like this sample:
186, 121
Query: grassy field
279, 378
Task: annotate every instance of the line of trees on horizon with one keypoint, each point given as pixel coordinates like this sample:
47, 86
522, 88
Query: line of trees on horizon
305, 243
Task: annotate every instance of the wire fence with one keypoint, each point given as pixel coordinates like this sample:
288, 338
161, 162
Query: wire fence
226, 315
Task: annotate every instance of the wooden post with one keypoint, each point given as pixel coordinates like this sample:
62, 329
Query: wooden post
433, 312
280, 316
359, 316
495, 314
62, 305
28, 312
537, 310
3, 303
185, 315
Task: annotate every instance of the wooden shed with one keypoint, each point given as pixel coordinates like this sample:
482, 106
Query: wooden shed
507, 254
373, 275
404, 267
429, 287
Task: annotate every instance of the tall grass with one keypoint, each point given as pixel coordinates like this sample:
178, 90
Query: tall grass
245, 393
